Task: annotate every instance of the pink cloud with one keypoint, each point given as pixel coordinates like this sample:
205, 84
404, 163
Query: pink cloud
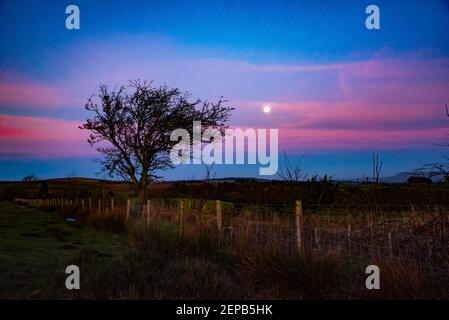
343, 139
18, 91
349, 125
42, 137
384, 101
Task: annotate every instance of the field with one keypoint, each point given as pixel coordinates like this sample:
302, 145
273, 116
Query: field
186, 245
36, 247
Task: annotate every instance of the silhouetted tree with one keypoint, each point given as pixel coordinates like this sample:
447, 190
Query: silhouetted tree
30, 178
136, 127
377, 168
441, 168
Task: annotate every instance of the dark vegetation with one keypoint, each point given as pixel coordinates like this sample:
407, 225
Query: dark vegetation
315, 191
252, 259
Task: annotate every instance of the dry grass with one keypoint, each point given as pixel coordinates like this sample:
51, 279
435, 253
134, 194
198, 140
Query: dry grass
181, 255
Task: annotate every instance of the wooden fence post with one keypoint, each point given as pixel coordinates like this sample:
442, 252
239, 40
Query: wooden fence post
90, 204
99, 206
128, 209
112, 205
82, 204
298, 224
148, 212
219, 216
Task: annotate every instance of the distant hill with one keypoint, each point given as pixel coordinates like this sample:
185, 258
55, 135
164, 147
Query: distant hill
402, 177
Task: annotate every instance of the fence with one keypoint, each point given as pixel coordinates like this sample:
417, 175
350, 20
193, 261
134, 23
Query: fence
414, 232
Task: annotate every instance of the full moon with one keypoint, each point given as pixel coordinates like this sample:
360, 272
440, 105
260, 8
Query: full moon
266, 109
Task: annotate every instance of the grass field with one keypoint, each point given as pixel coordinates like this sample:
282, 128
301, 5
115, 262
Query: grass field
36, 247
134, 260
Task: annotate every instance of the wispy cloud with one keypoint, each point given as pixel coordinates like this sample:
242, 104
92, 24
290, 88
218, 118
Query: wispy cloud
41, 137
17, 90
387, 100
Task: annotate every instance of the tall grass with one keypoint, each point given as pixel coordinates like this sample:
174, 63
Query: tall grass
255, 256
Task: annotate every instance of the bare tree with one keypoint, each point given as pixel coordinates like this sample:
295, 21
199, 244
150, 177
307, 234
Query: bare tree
30, 178
377, 168
441, 168
447, 144
291, 171
133, 130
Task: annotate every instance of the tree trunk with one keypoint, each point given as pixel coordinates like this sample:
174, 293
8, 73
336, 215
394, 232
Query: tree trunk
141, 197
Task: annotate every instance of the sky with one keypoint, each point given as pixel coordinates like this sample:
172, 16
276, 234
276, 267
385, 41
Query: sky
338, 92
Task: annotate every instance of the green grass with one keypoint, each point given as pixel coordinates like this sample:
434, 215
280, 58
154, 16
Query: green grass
36, 246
